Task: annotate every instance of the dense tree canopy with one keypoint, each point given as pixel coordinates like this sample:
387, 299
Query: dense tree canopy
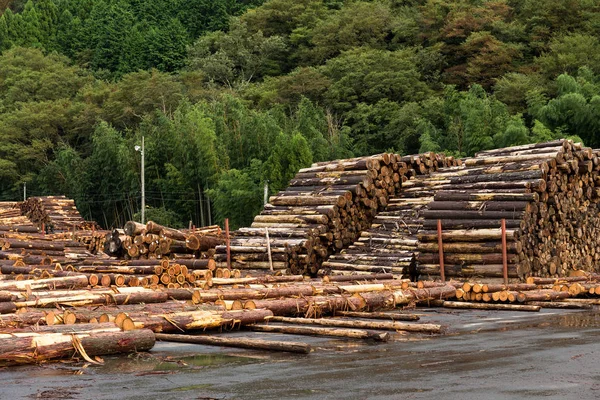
230, 95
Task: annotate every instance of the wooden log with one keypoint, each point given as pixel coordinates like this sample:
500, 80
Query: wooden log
255, 344
133, 228
195, 320
339, 201
488, 306
467, 235
383, 325
542, 295
314, 331
394, 316
35, 348
560, 305
203, 242
52, 283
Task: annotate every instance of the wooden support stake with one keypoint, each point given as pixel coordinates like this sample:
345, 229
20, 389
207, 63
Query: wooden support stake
441, 250
269, 250
504, 253
228, 243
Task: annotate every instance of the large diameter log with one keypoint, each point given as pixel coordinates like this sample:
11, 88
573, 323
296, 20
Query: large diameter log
203, 242
254, 344
383, 325
314, 331
133, 228
50, 283
194, 320
35, 348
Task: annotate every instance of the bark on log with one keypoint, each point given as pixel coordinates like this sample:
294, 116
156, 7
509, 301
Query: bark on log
255, 344
313, 331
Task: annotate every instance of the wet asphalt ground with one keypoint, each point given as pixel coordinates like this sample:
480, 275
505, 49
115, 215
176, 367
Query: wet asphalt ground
553, 354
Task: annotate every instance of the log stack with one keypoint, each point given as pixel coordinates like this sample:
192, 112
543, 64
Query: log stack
55, 213
548, 195
155, 241
323, 210
389, 244
11, 218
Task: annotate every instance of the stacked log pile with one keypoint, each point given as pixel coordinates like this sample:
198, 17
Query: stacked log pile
58, 247
548, 196
11, 218
154, 241
55, 213
389, 244
323, 210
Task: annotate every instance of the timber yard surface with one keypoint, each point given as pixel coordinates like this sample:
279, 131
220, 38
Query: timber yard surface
407, 276
493, 355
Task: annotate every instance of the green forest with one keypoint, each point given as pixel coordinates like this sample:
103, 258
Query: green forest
231, 94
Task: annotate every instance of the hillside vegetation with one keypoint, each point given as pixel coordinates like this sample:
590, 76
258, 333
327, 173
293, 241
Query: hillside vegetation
231, 94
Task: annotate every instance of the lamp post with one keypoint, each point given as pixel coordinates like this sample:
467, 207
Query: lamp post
141, 150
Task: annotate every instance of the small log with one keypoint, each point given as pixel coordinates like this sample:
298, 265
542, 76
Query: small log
488, 306
255, 344
378, 315
314, 331
385, 325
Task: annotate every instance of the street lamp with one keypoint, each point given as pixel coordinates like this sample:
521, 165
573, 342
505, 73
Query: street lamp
141, 150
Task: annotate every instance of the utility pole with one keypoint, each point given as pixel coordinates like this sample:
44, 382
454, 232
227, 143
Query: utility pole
266, 193
141, 150
24, 191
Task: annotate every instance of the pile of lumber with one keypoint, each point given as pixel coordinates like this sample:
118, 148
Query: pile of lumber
547, 195
155, 241
389, 245
55, 213
323, 210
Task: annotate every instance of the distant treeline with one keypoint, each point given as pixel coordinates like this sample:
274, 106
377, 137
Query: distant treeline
231, 94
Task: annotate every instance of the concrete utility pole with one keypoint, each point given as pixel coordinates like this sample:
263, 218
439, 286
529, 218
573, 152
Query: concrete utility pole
141, 150
266, 193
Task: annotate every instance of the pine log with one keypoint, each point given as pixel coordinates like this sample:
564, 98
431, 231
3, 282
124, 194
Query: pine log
313, 331
255, 344
36, 348
383, 325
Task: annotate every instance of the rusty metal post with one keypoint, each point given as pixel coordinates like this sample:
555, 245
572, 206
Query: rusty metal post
504, 253
441, 250
227, 242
